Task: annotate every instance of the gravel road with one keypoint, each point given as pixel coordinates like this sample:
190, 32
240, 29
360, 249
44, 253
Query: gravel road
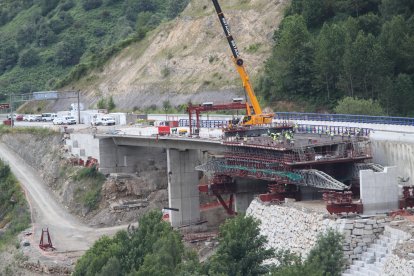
67, 232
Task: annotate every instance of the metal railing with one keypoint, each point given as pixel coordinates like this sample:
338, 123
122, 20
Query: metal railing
287, 116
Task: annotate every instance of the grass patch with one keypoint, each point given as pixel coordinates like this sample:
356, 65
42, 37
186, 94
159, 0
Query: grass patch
13, 206
253, 48
43, 132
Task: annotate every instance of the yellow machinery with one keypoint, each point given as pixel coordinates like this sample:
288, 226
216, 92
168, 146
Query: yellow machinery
253, 110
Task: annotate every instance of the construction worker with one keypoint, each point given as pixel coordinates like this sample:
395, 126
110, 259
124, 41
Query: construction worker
295, 128
332, 135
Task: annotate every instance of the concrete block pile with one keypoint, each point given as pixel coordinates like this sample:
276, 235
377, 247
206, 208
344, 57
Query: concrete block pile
396, 266
288, 227
401, 261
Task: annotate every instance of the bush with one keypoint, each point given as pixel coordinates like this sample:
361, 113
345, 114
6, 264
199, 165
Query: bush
111, 103
101, 104
67, 5
151, 249
48, 5
91, 172
28, 58
70, 51
91, 4
349, 105
241, 249
13, 206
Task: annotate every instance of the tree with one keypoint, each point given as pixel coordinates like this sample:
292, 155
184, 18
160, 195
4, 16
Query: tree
289, 73
25, 35
111, 268
350, 105
111, 103
241, 249
328, 254
325, 258
70, 51
403, 96
175, 7
329, 51
91, 4
44, 35
28, 58
390, 8
316, 12
101, 104
167, 253
48, 5
8, 56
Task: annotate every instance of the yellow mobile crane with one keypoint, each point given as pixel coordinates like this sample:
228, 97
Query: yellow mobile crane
254, 115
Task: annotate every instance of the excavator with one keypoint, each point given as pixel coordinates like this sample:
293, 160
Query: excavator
254, 115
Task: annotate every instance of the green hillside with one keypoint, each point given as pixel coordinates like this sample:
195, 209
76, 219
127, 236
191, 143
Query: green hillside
326, 50
48, 43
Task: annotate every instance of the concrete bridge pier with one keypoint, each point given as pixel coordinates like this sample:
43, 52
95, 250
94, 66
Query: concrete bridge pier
183, 191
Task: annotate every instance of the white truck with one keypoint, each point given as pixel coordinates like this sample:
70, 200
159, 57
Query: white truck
104, 121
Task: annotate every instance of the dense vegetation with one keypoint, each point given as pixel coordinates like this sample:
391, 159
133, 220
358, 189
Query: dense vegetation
48, 43
326, 50
89, 192
155, 249
13, 207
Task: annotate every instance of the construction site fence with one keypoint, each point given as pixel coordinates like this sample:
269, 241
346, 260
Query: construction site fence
203, 123
336, 130
288, 116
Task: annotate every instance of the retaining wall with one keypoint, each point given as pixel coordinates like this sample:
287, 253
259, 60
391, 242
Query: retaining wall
288, 227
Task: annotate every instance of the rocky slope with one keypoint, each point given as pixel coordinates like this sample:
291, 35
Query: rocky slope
123, 198
187, 59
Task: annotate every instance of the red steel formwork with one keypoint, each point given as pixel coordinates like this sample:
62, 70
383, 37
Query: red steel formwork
341, 202
407, 200
46, 241
197, 109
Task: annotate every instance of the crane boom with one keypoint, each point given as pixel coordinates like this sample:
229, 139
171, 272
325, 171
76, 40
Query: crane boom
257, 117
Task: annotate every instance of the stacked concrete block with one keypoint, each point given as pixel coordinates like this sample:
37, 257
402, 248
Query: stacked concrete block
380, 257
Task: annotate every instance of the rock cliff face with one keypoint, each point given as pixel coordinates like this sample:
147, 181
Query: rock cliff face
124, 198
188, 58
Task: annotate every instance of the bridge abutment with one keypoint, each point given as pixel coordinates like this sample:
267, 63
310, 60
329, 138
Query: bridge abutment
183, 193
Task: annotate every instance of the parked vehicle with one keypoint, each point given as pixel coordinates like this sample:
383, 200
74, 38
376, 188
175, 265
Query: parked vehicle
16, 117
37, 118
66, 120
48, 117
58, 121
69, 120
32, 118
164, 130
105, 121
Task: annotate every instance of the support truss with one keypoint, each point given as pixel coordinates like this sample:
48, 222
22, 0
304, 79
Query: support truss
312, 178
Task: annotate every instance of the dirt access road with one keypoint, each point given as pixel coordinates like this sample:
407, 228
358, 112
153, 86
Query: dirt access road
67, 232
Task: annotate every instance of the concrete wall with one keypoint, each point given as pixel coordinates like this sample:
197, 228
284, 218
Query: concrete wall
394, 149
379, 190
83, 145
